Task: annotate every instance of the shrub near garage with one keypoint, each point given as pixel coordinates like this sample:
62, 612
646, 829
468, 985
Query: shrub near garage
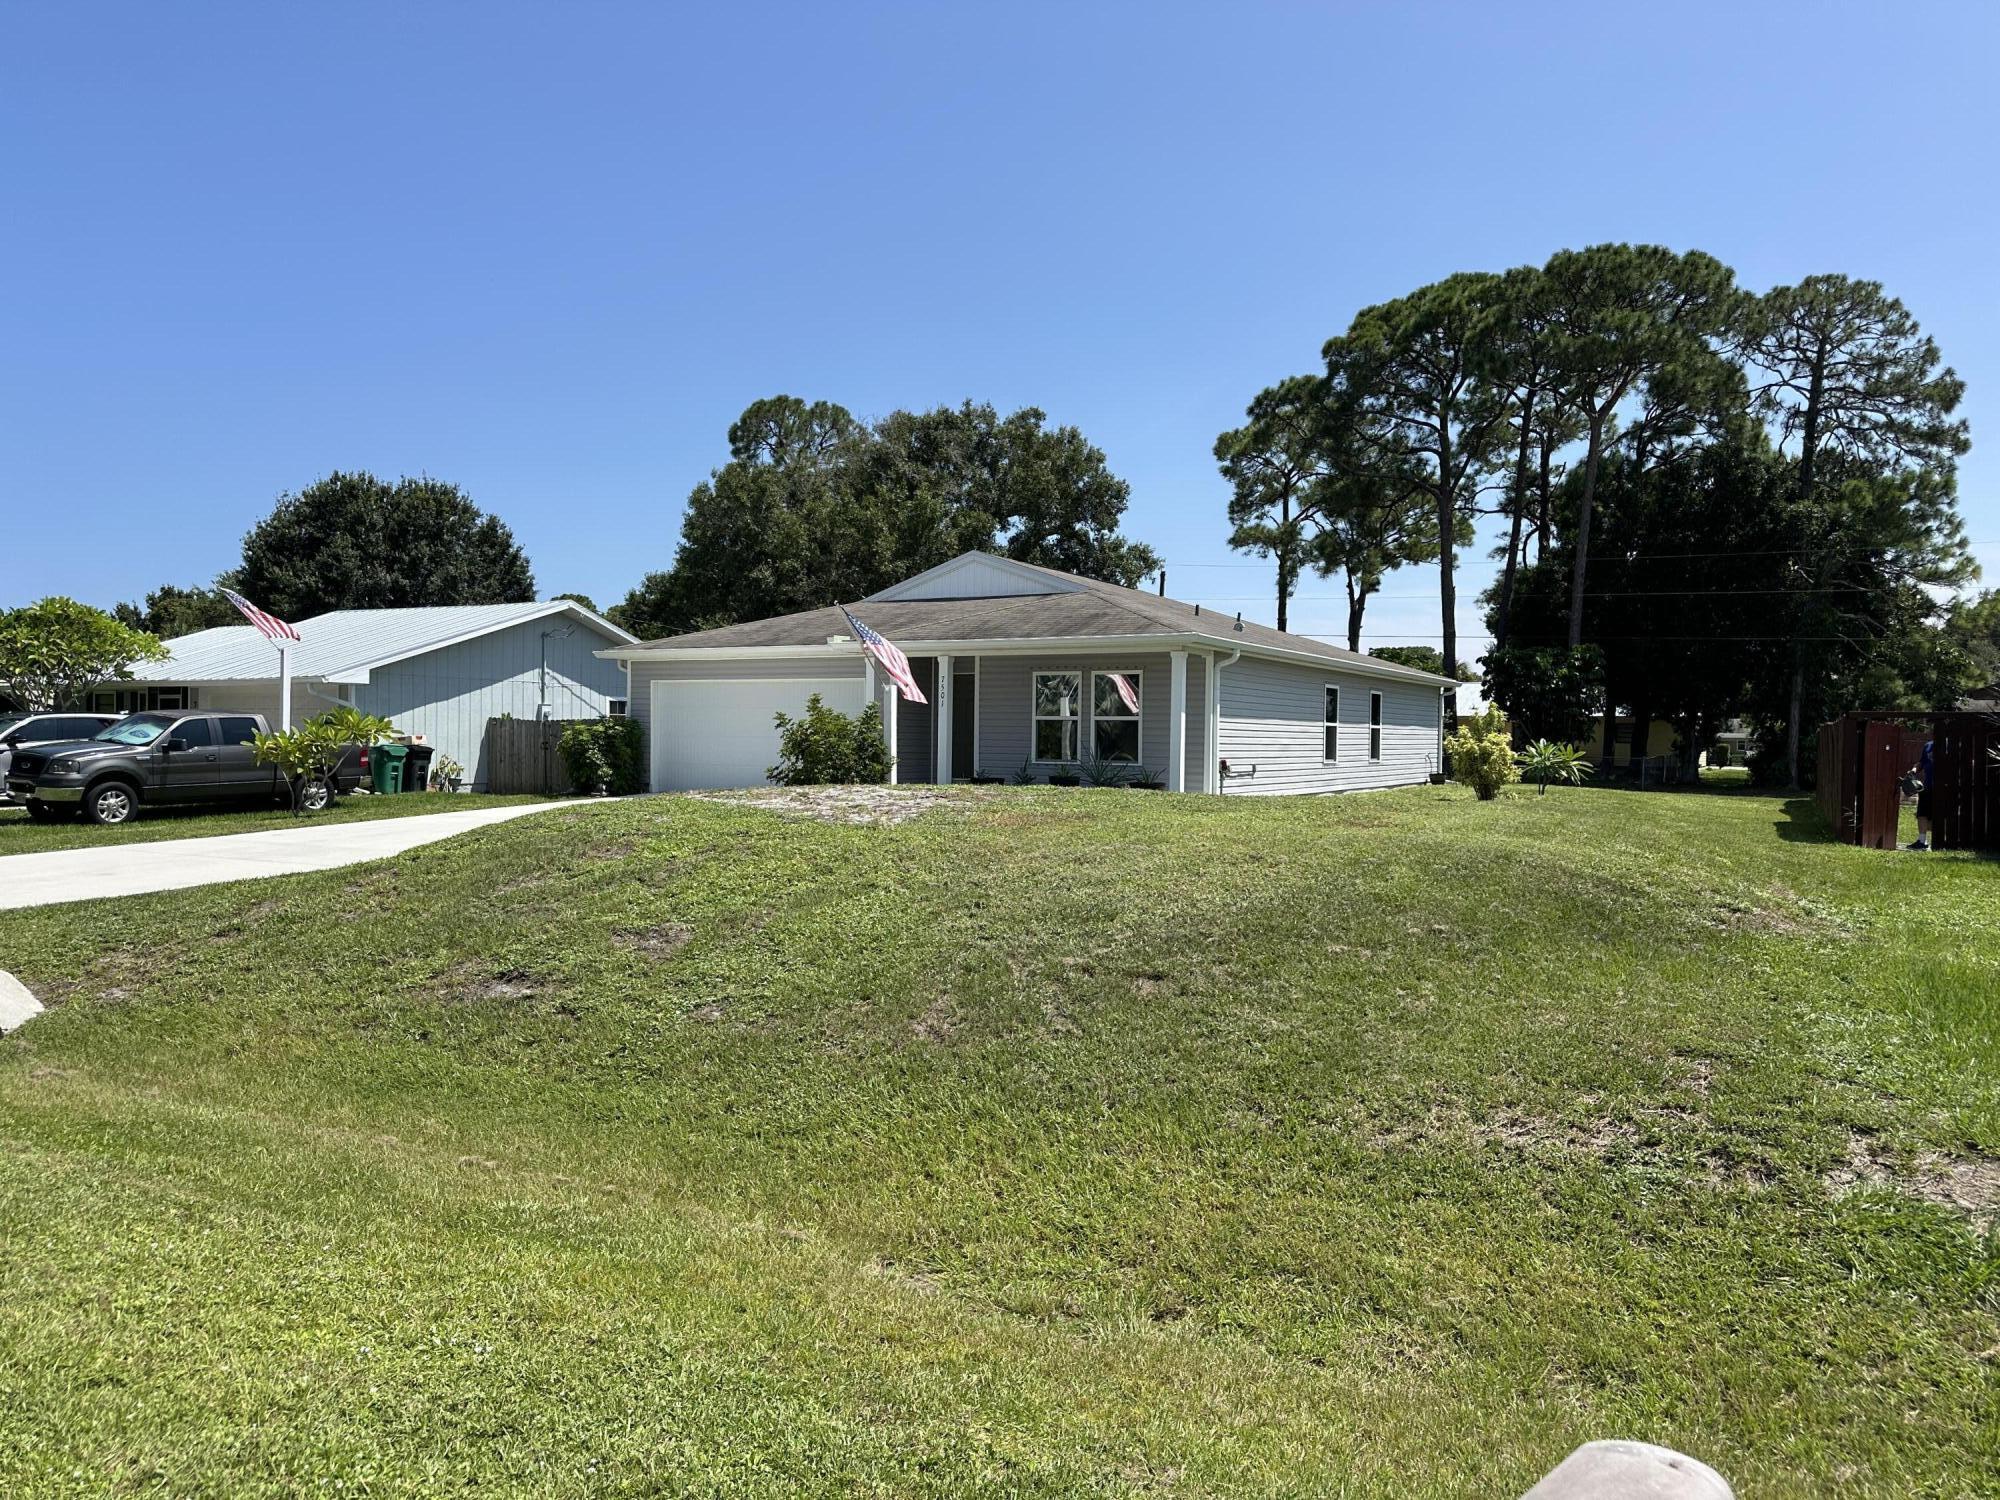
602, 755
825, 747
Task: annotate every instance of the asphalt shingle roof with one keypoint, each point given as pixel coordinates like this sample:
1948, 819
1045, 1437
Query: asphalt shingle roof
1094, 609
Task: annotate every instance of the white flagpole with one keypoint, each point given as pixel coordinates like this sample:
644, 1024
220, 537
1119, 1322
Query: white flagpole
284, 685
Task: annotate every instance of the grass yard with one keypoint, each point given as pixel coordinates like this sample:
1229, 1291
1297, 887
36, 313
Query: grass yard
1080, 1143
21, 835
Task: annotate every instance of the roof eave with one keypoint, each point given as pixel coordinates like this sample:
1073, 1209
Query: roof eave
1038, 645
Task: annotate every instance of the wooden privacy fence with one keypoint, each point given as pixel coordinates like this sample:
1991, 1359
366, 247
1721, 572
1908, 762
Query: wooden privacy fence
1863, 757
521, 756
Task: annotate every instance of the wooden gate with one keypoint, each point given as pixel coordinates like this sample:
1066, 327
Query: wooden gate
1863, 758
521, 756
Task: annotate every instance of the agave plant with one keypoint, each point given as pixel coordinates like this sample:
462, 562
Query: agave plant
1545, 761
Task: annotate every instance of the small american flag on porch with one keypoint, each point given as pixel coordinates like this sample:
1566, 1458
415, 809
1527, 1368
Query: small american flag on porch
893, 661
269, 626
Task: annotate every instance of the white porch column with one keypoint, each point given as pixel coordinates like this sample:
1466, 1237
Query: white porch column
941, 693
1211, 739
1177, 722
889, 701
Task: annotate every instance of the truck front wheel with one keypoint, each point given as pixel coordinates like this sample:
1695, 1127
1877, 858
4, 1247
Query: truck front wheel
110, 803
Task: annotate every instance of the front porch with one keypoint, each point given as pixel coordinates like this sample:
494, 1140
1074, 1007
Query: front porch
1002, 716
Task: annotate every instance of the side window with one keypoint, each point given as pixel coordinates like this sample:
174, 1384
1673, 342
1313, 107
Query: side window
614, 708
1374, 726
194, 731
1333, 723
238, 729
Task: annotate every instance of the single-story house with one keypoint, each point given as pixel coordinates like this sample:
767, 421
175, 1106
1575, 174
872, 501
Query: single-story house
440, 673
1026, 668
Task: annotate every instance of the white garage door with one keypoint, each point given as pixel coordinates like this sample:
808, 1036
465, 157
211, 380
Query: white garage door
721, 734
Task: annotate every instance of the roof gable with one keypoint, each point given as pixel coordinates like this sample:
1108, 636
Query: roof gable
344, 645
979, 575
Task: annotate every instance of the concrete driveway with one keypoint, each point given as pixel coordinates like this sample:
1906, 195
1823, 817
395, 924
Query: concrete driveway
58, 875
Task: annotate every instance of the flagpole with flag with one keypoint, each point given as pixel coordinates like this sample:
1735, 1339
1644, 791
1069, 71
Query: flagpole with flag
280, 635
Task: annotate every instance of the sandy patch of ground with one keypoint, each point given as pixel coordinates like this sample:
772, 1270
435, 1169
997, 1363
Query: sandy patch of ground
872, 805
1968, 1184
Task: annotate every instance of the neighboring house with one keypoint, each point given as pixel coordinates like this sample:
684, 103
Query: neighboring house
1028, 667
440, 673
1984, 700
1732, 744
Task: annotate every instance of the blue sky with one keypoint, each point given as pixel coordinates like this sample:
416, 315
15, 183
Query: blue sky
548, 252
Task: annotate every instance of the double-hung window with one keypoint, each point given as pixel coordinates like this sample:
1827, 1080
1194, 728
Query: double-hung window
1332, 723
1374, 726
1058, 715
1114, 715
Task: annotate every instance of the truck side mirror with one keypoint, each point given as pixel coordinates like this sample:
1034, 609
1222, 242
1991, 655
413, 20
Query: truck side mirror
177, 745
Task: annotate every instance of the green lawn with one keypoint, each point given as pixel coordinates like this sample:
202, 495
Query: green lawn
21, 835
1085, 1142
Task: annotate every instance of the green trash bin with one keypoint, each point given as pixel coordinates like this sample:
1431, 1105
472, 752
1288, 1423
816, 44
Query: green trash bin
385, 767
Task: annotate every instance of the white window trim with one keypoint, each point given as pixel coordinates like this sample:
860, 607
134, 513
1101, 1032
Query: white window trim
1138, 720
1325, 724
1374, 726
1035, 720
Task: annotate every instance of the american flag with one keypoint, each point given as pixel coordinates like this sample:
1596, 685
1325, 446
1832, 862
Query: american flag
271, 626
1124, 685
893, 661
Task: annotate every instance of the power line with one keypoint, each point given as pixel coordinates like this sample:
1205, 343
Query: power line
1607, 557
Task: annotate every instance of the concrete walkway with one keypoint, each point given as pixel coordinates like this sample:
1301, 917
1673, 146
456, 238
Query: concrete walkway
58, 875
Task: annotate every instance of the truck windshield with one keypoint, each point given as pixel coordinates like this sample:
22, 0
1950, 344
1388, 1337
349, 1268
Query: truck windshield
137, 729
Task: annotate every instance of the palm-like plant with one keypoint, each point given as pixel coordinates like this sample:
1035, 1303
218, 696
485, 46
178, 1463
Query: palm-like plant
1545, 761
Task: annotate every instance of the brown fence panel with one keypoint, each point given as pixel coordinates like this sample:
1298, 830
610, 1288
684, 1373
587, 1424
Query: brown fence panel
1882, 767
521, 756
1965, 783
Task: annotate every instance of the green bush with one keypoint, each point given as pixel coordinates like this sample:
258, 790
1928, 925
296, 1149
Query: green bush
602, 755
825, 747
1544, 761
1481, 756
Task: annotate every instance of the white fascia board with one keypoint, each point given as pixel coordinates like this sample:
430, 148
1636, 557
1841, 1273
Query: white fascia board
552, 607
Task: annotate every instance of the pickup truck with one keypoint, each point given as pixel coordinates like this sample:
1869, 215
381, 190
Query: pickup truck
163, 759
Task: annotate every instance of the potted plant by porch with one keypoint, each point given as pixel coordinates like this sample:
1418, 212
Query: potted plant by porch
1065, 778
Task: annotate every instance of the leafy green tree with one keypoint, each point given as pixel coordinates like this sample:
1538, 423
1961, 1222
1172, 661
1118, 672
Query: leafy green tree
55, 652
1624, 317
308, 753
814, 509
1279, 471
353, 541
1480, 756
1975, 624
1548, 691
584, 599
825, 747
1423, 658
1376, 518
1414, 377
172, 611
1844, 371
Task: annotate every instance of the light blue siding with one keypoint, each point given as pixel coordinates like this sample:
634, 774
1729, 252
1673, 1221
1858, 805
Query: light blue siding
448, 695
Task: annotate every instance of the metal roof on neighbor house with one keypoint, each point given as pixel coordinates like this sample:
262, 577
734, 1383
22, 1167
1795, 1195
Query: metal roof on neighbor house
1094, 609
343, 644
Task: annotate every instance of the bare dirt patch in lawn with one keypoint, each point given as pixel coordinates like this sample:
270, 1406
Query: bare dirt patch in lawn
468, 984
860, 805
936, 1024
1969, 1185
657, 943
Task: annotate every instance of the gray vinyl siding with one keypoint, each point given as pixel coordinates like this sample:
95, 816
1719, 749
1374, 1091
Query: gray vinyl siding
1005, 706
764, 669
448, 695
1273, 719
